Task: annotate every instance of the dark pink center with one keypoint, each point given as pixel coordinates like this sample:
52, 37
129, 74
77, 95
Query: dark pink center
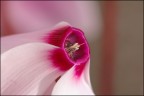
73, 49
76, 47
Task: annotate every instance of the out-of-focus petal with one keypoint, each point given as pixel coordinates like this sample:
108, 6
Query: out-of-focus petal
26, 70
9, 42
30, 16
71, 84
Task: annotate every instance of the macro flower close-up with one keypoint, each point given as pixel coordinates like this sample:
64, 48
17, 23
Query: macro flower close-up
71, 48
60, 57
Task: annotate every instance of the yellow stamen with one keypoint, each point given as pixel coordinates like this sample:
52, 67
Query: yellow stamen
73, 48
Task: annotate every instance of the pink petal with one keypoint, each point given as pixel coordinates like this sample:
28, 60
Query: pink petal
32, 65
9, 42
26, 70
70, 84
30, 16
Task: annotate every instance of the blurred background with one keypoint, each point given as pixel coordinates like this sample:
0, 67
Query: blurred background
114, 30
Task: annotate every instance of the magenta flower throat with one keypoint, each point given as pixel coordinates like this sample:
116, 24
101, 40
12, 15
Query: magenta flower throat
73, 49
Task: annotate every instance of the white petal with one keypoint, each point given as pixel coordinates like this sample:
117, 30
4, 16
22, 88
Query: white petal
26, 70
69, 84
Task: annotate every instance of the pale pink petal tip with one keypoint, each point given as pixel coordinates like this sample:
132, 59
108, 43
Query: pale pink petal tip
68, 84
25, 68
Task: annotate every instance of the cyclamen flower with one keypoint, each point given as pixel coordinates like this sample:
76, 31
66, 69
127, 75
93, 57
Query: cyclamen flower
56, 63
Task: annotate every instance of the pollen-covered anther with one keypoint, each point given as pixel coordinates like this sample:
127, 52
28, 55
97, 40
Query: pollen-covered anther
71, 49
